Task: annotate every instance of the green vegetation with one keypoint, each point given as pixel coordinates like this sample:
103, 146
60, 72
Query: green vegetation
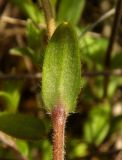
79, 71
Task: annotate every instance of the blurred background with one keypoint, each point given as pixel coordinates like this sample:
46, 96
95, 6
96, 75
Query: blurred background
94, 131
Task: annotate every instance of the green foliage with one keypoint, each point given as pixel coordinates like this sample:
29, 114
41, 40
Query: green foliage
22, 147
35, 47
61, 79
22, 126
33, 35
46, 148
23, 52
93, 50
70, 11
30, 9
77, 148
11, 95
97, 124
61, 69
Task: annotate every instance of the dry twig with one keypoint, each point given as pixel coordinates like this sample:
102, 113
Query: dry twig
11, 20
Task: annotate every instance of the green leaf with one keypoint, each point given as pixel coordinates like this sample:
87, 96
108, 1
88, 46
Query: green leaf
30, 9
93, 49
46, 149
97, 124
61, 69
22, 126
36, 57
11, 94
70, 10
35, 48
22, 51
33, 35
115, 82
22, 147
77, 149
5, 96
35, 38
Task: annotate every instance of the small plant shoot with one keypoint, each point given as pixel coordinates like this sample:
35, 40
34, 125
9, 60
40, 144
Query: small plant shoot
61, 79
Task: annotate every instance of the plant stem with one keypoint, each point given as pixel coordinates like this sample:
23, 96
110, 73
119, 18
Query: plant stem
58, 121
49, 16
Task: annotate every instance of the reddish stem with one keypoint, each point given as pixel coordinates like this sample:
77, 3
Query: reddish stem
58, 122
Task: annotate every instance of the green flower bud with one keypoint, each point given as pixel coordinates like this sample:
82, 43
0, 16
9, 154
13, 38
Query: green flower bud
61, 75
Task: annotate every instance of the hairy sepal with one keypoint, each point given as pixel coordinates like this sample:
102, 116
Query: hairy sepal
61, 70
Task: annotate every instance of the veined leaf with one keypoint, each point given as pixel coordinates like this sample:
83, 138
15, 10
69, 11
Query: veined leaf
22, 126
61, 75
